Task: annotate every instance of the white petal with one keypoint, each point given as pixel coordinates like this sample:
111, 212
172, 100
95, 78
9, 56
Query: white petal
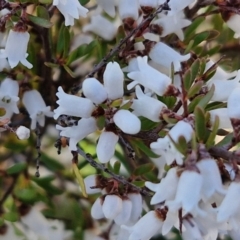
96, 210
136, 200
112, 206
127, 121
127, 10
90, 181
125, 214
106, 146
94, 90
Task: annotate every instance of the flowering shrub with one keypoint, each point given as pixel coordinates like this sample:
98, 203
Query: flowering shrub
119, 119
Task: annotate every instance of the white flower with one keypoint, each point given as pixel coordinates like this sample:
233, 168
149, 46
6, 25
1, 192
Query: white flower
165, 55
23, 132
149, 77
212, 182
146, 227
113, 80
107, 32
70, 9
222, 113
36, 107
106, 146
188, 193
137, 202
127, 121
108, 7
223, 88
229, 208
167, 26
125, 213
16, 52
127, 10
91, 181
233, 105
77, 133
177, 6
166, 148
162, 190
220, 74
72, 105
94, 90
191, 230
147, 106
112, 206
9, 96
233, 23
96, 210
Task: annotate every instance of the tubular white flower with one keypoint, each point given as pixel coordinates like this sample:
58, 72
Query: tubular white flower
191, 230
165, 55
9, 96
212, 182
224, 88
107, 32
70, 9
113, 80
77, 133
16, 52
222, 113
94, 90
96, 210
162, 190
229, 208
106, 146
167, 26
72, 105
149, 77
188, 193
91, 181
36, 107
233, 105
127, 121
233, 23
147, 106
127, 10
108, 7
220, 74
23, 132
112, 206
137, 202
146, 227
177, 6
125, 213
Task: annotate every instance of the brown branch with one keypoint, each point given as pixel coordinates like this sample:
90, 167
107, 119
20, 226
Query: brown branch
102, 167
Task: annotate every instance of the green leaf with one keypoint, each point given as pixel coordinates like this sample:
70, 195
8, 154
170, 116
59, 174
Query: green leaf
200, 37
139, 183
194, 103
17, 168
213, 134
11, 216
195, 89
116, 167
28, 195
225, 140
42, 12
42, 22
147, 124
181, 145
51, 163
69, 71
187, 79
200, 123
81, 51
144, 168
1, 221
142, 147
168, 100
216, 105
83, 2
45, 1
192, 28
167, 119
195, 68
51, 65
205, 100
80, 180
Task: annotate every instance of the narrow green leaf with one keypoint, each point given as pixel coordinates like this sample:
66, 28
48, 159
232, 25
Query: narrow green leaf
51, 65
144, 168
213, 134
205, 100
168, 119
200, 123
216, 105
192, 28
116, 167
139, 183
195, 89
40, 21
69, 71
200, 37
42, 12
194, 103
45, 1
225, 140
181, 145
195, 69
80, 180
17, 168
187, 79
11, 216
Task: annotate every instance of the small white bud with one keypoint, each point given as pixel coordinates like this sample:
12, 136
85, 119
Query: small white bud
23, 132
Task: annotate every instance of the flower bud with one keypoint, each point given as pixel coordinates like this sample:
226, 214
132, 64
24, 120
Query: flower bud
23, 132
112, 206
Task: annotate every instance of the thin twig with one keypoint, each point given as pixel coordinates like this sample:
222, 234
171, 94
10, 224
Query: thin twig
102, 167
